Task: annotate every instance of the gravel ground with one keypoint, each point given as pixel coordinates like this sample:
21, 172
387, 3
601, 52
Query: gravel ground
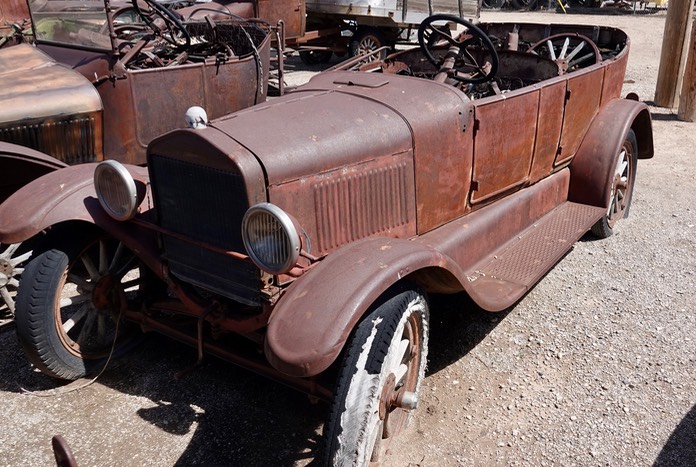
595, 366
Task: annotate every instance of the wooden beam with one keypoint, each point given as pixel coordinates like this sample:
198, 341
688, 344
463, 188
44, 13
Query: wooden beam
687, 99
677, 26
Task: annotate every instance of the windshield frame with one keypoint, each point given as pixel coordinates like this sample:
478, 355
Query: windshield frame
81, 24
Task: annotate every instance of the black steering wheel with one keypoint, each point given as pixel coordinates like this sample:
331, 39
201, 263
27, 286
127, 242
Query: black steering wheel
158, 17
471, 57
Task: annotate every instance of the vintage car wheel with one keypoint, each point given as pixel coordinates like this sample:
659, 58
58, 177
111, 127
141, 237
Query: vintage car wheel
524, 4
621, 188
68, 313
11, 259
473, 46
368, 40
380, 376
570, 51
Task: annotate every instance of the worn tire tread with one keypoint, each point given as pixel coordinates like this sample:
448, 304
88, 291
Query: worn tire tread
387, 308
33, 298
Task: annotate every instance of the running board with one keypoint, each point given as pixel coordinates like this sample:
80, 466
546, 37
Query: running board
503, 277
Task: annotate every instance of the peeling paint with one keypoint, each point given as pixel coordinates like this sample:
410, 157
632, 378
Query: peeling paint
360, 418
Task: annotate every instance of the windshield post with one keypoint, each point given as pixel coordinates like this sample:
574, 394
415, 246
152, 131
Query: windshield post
112, 31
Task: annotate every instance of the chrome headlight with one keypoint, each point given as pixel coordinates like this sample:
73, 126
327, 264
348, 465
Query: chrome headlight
270, 238
116, 190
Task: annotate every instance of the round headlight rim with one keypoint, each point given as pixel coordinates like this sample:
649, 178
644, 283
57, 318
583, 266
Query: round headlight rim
291, 233
127, 181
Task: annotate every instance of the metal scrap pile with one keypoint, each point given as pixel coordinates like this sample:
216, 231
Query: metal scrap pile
219, 41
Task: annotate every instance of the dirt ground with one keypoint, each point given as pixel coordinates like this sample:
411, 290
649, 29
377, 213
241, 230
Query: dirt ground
596, 366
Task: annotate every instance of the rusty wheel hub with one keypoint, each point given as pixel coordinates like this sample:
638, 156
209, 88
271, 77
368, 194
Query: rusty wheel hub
104, 293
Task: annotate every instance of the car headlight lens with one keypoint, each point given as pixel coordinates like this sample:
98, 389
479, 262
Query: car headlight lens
116, 190
270, 238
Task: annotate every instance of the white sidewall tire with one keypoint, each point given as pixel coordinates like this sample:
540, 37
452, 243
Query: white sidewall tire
373, 353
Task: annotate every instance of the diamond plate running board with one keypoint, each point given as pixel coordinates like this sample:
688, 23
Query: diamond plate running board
503, 277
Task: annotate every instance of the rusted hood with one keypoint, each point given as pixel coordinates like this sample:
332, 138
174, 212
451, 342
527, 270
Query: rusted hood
41, 87
313, 131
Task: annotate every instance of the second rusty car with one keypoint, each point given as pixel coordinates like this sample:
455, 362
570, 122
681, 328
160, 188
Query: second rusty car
301, 237
105, 77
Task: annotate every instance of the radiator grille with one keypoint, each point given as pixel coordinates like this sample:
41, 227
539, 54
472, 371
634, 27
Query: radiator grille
72, 141
360, 205
205, 205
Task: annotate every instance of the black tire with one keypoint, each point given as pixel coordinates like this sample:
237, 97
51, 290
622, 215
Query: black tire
315, 57
584, 3
523, 4
89, 274
366, 40
365, 387
621, 189
492, 4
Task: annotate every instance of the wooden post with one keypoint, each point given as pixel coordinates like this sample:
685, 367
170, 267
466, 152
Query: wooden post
677, 26
687, 100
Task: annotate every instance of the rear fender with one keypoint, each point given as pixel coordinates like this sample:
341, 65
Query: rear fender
312, 321
67, 195
25, 165
592, 169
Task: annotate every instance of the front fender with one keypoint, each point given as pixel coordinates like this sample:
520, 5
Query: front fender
592, 171
312, 321
25, 165
63, 195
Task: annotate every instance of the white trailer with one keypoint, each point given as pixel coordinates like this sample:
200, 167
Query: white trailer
359, 26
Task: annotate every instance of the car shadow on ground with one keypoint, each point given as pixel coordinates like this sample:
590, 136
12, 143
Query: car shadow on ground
457, 325
681, 445
237, 418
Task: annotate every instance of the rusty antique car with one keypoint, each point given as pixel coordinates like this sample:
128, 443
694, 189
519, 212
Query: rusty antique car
105, 77
299, 238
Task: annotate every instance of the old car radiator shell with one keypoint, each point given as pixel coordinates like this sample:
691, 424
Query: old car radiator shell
73, 140
208, 211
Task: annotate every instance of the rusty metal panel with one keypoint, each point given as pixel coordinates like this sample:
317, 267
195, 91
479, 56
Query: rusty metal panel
517, 265
504, 143
150, 102
345, 205
13, 10
371, 202
582, 104
318, 132
593, 166
469, 239
614, 74
25, 165
442, 165
162, 94
49, 107
548, 134
292, 12
73, 139
41, 87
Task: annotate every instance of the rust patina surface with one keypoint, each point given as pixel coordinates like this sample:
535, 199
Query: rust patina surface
14, 17
278, 235
120, 75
